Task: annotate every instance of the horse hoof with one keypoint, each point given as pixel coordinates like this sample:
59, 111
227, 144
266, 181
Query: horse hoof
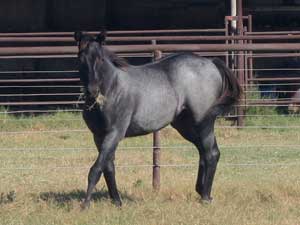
84, 205
118, 203
206, 201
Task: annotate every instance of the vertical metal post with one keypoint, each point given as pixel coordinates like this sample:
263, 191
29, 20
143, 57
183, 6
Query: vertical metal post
246, 72
233, 14
249, 62
241, 62
156, 161
156, 143
250, 52
226, 42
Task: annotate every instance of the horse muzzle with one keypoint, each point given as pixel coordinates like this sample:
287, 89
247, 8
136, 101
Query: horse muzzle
93, 90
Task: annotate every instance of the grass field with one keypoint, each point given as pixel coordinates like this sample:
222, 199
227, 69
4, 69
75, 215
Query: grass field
43, 175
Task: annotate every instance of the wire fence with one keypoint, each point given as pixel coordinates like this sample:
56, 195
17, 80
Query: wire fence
287, 83
147, 166
150, 147
87, 131
255, 147
16, 120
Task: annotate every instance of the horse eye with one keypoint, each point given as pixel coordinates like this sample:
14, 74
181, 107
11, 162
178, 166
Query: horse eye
81, 58
80, 55
99, 60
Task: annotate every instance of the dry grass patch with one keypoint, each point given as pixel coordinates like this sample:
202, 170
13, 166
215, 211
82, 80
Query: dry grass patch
254, 184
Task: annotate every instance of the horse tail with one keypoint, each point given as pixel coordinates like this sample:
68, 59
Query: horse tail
231, 91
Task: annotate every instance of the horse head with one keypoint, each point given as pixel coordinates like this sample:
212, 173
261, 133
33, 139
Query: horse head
91, 57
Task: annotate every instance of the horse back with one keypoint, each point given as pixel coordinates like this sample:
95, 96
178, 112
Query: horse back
165, 88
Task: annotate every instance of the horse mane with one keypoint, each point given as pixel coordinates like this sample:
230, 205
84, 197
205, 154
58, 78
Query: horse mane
119, 62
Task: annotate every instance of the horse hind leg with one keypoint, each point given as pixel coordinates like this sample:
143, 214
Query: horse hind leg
202, 136
184, 124
209, 156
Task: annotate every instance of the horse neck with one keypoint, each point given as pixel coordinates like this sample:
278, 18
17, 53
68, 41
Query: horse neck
108, 73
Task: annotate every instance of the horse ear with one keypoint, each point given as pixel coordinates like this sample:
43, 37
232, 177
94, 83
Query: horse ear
77, 36
101, 37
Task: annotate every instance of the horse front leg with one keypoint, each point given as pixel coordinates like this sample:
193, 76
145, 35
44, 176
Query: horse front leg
110, 179
109, 174
106, 154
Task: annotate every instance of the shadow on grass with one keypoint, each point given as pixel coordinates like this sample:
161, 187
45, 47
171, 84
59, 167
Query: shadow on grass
65, 198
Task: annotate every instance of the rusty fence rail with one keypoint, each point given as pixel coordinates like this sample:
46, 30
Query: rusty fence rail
72, 50
185, 39
120, 32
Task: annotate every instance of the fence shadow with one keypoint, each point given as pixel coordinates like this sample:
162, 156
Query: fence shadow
64, 198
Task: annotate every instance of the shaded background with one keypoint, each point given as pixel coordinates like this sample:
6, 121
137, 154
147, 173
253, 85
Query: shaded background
69, 15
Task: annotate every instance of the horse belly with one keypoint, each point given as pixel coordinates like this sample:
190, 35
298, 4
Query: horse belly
153, 115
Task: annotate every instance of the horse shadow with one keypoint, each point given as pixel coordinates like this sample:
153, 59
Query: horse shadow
66, 198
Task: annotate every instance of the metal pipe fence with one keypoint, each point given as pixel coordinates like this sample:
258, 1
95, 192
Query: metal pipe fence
121, 32
250, 52
184, 39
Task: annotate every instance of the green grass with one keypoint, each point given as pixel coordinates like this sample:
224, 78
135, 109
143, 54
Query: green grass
257, 181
